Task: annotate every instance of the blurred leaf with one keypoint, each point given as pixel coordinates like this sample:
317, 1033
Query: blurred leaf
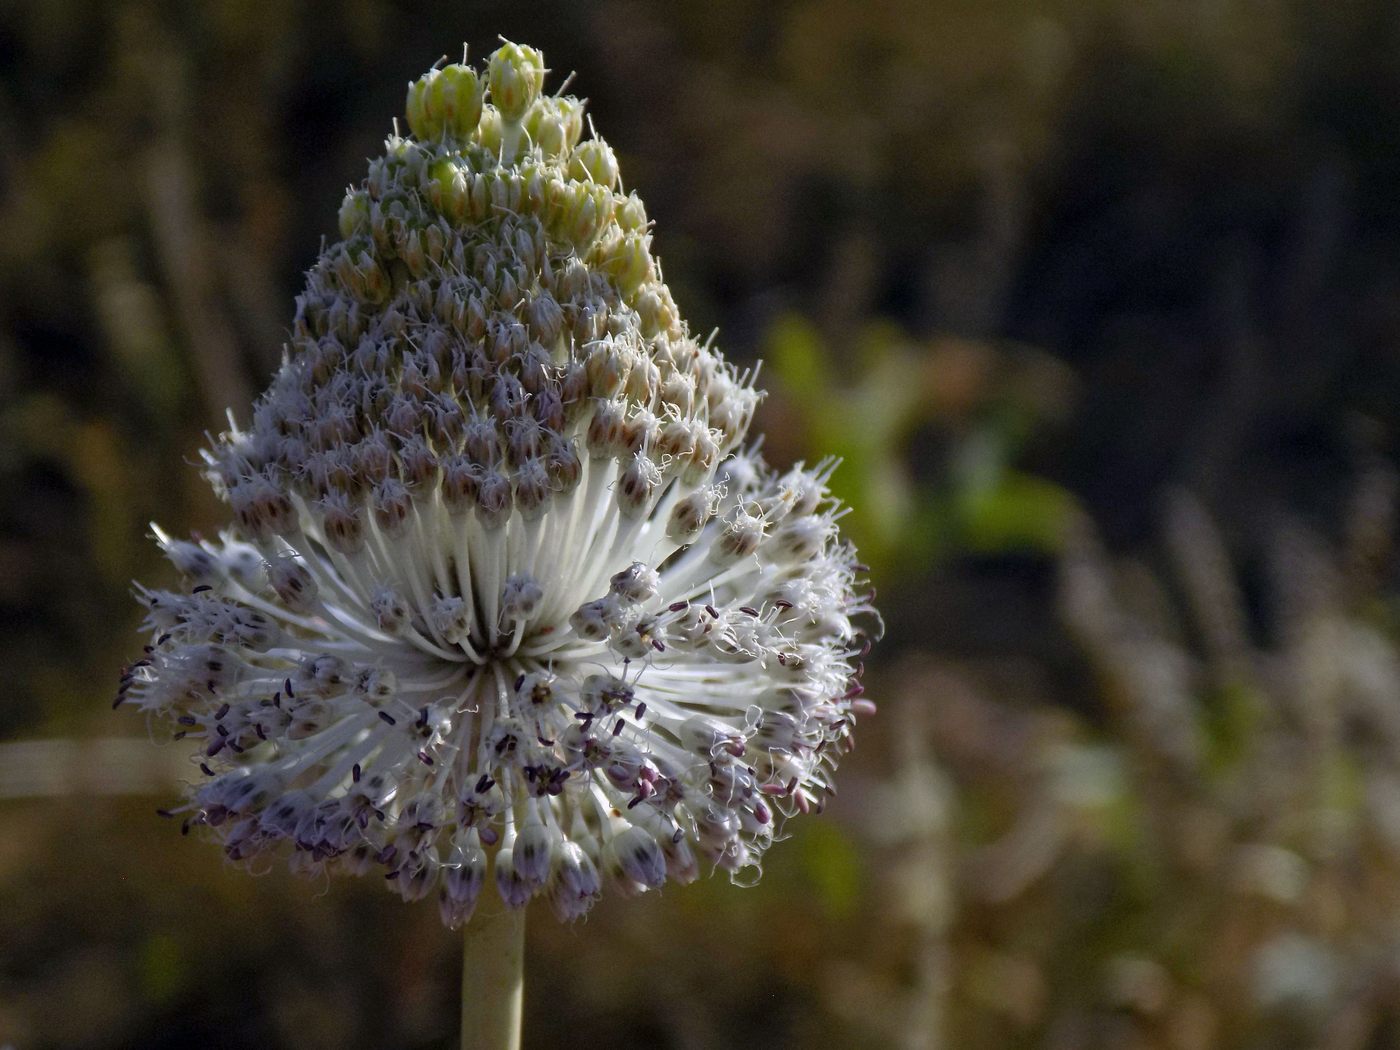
832, 864
1016, 512
162, 968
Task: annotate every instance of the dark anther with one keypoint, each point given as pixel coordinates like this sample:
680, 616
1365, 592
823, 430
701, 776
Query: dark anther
201, 588
387, 717
677, 836
634, 803
483, 784
179, 735
748, 609
519, 681
160, 641
784, 606
423, 718
546, 743
641, 709
584, 716
617, 728
355, 772
164, 813
287, 685
204, 768
257, 728
425, 758
657, 644
678, 606
711, 610
223, 710
222, 730
186, 720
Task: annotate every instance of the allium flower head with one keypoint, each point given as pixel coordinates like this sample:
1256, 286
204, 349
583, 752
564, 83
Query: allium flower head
504, 596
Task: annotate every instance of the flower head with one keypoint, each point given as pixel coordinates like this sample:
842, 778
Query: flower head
504, 599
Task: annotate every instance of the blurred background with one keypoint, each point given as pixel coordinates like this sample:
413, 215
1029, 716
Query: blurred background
1100, 303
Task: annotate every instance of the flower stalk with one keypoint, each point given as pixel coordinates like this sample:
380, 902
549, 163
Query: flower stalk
493, 977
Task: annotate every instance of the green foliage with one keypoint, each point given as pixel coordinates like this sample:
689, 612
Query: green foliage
880, 407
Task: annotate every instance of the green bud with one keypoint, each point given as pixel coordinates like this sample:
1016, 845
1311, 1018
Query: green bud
578, 211
516, 75
631, 213
594, 161
446, 100
354, 213
555, 125
488, 132
628, 258
447, 188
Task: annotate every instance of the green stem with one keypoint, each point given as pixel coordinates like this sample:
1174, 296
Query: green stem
493, 975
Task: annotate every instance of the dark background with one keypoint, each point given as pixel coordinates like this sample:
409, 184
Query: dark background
1100, 303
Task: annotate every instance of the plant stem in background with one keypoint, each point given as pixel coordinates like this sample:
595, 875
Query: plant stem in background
493, 976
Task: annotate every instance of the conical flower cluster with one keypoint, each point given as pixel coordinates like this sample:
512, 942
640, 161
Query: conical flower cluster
504, 598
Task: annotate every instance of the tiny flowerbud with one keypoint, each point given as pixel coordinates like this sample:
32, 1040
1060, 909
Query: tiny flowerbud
375, 685
516, 75
532, 489
460, 478
629, 259
636, 855
640, 481
631, 212
546, 318
392, 505
520, 597
708, 737
800, 537
341, 523
604, 436
593, 621
493, 498
354, 214
534, 854
555, 125
636, 583
445, 101
514, 890
294, 585
742, 534
191, 560
451, 617
462, 879
574, 885
390, 610
322, 673
603, 694
594, 161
